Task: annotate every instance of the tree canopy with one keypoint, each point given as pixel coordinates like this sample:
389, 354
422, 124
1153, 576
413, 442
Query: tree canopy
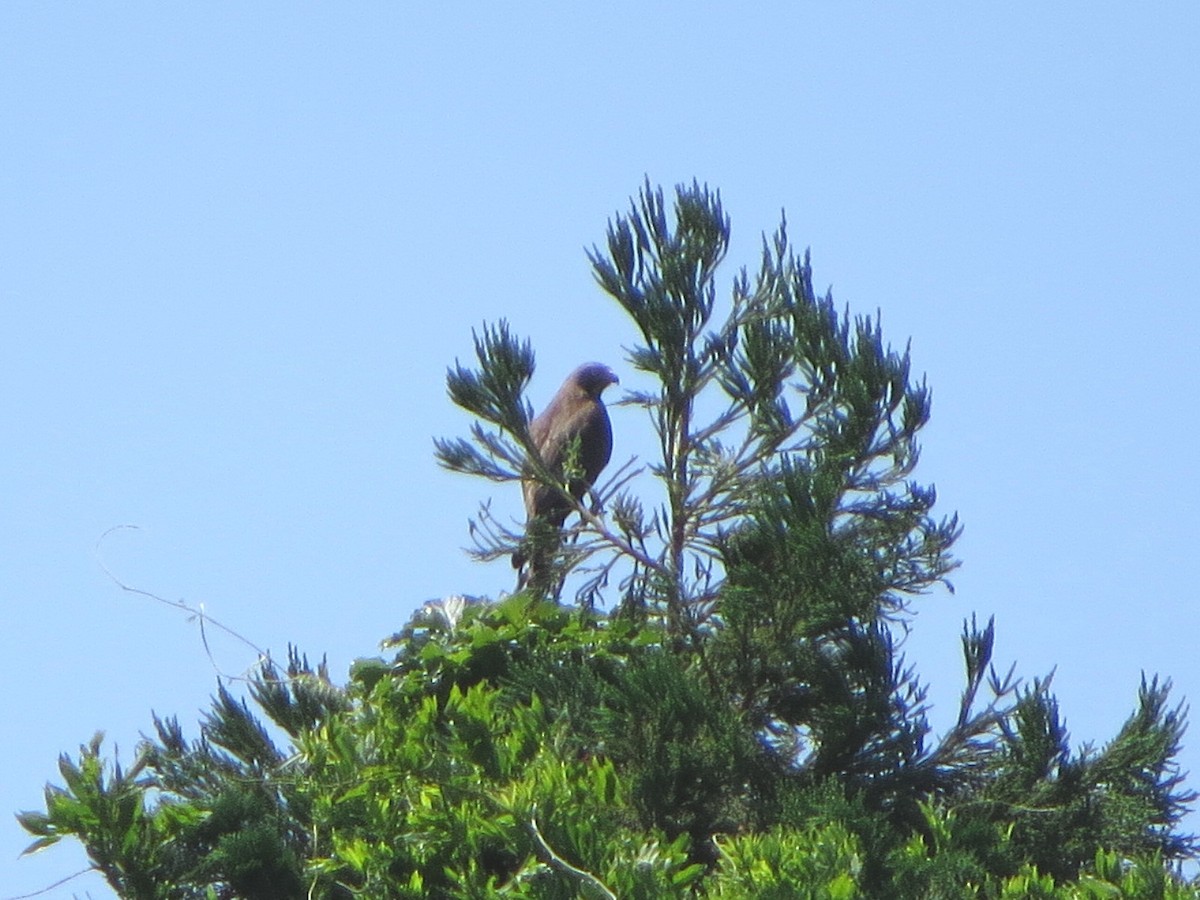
708, 699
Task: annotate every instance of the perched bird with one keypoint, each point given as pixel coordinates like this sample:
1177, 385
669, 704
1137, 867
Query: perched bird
576, 417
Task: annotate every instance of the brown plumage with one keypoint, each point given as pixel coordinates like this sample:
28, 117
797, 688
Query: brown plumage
575, 412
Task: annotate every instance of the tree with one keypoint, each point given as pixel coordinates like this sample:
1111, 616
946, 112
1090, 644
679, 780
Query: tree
723, 712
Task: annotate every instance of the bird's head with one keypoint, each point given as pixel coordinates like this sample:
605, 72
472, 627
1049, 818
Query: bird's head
592, 378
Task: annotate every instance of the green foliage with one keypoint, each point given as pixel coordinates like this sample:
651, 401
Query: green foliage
731, 718
821, 862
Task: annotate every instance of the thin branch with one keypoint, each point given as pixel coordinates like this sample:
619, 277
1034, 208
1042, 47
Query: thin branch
589, 882
602, 530
196, 613
48, 888
618, 480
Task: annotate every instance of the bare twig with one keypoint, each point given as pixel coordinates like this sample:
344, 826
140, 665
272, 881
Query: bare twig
591, 885
48, 888
196, 614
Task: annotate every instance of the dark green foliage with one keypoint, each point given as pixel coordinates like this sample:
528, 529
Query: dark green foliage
1065, 808
494, 393
245, 841
725, 714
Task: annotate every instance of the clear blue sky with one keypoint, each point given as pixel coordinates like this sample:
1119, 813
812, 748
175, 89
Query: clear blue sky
240, 245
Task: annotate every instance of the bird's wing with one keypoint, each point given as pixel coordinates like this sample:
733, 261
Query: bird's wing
564, 420
595, 438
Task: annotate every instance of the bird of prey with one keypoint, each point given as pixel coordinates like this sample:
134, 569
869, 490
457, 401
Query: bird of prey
574, 429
